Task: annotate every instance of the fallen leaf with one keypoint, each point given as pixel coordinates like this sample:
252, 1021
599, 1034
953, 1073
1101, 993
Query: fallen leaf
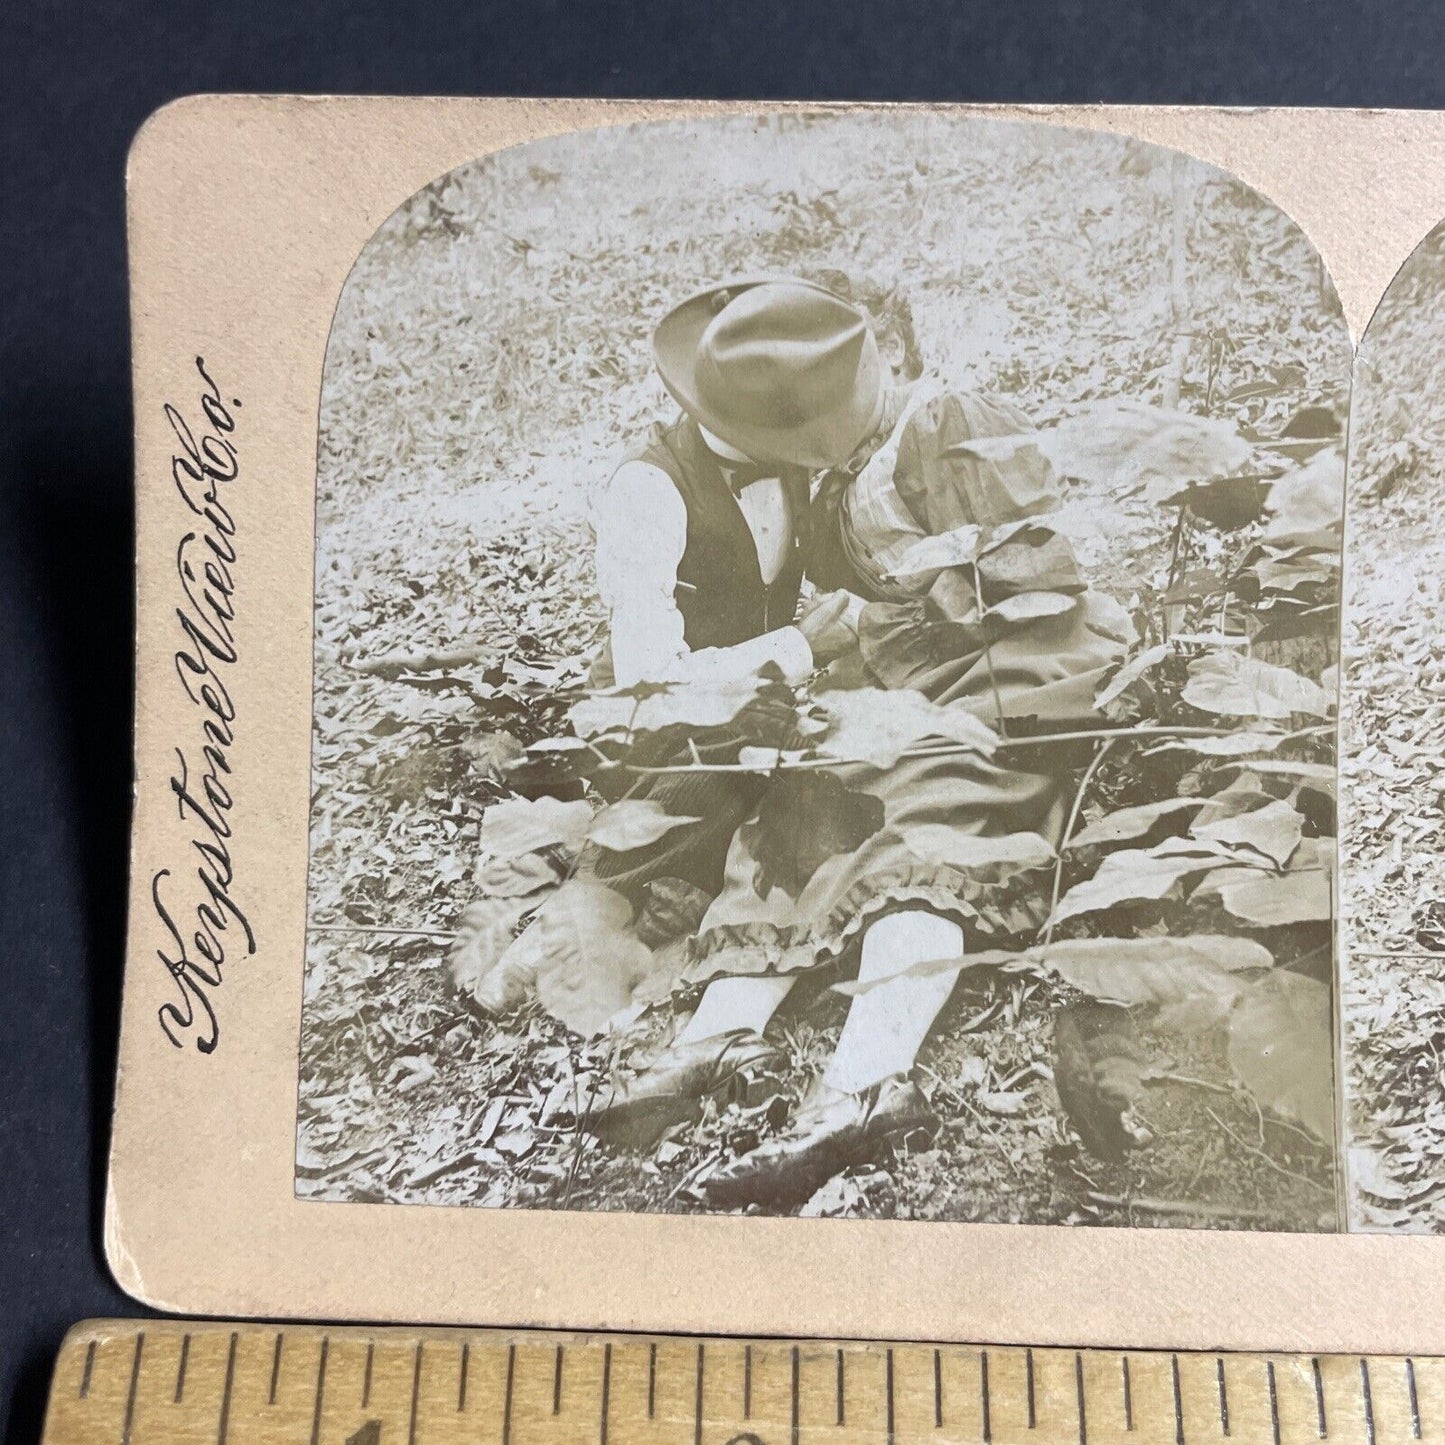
1008, 1104
492, 754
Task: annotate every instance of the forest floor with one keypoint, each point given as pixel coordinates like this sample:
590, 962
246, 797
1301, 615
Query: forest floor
487, 365
1393, 760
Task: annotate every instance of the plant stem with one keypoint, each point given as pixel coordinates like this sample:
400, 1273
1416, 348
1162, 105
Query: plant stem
1099, 755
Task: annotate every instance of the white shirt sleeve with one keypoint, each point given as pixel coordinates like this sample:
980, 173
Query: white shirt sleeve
640, 523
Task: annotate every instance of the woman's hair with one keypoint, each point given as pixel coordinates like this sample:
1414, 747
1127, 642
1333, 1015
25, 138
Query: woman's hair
887, 310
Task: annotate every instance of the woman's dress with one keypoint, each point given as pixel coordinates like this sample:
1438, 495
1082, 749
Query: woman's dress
922, 631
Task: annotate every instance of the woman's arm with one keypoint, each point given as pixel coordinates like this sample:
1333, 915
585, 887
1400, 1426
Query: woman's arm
640, 523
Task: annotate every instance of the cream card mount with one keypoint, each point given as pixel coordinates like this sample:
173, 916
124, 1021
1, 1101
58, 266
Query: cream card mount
787, 718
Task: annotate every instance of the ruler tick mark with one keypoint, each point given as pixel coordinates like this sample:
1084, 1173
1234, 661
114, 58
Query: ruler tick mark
842, 1415
983, 1397
462, 1376
1128, 1392
795, 1398
275, 1370
697, 1400
507, 1396
85, 1374
1319, 1398
320, 1391
557, 1382
181, 1368
225, 1421
1029, 1381
1179, 1402
937, 1391
1223, 1394
889, 1383
1079, 1391
1369, 1401
366, 1377
415, 1395
140, 1341
606, 1390
652, 1382
1273, 1399
1414, 1398
747, 1384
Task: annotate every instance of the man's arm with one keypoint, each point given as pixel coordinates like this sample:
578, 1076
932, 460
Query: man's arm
641, 527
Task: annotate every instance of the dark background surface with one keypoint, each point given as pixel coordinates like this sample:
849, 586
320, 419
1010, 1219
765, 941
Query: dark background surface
76, 81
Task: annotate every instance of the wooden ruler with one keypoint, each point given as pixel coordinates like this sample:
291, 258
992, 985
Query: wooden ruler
174, 1382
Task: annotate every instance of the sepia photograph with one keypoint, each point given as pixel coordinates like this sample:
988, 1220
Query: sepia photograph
1393, 760
826, 659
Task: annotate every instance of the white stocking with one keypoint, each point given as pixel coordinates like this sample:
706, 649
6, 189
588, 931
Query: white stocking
886, 1026
729, 1004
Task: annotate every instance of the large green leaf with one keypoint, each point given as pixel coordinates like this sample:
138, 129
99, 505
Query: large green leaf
1274, 830
1125, 823
634, 823
1030, 606
517, 876
523, 825
1280, 1048
1133, 875
1169, 972
877, 725
1227, 683
938, 843
484, 935
1131, 672
1201, 970
803, 820
1309, 499
1119, 443
955, 548
584, 955
1269, 900
1227, 745
651, 707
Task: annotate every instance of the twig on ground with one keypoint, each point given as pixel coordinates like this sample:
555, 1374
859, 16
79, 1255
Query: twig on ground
445, 934
1264, 1158
1178, 1206
1189, 1083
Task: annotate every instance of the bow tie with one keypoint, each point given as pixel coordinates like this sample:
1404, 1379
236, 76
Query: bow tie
742, 475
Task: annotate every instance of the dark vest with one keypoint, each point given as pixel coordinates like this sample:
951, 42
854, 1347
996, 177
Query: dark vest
720, 590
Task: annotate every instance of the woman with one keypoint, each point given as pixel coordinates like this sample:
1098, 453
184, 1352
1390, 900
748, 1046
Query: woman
895, 901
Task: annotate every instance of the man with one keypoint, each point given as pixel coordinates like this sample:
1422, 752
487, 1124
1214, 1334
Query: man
700, 533
700, 559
